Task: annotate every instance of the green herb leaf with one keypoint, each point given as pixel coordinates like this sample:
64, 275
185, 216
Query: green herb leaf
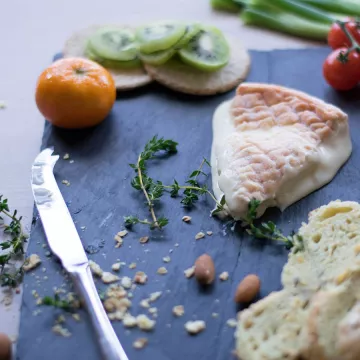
269, 230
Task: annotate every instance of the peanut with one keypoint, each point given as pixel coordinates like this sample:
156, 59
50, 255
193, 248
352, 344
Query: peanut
204, 269
247, 289
5, 347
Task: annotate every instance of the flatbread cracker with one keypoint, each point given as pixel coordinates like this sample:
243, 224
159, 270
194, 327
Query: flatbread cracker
125, 79
182, 77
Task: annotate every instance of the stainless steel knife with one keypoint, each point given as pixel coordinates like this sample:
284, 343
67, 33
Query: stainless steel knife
65, 243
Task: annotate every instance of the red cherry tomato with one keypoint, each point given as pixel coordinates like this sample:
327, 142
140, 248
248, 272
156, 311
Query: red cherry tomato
337, 38
342, 75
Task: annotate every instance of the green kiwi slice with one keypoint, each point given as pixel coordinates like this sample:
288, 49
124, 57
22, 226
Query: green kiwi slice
208, 50
112, 43
159, 36
112, 64
161, 57
158, 57
191, 31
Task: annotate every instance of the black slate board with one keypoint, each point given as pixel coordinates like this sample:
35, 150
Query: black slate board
100, 195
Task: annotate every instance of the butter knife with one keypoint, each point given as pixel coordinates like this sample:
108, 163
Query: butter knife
65, 243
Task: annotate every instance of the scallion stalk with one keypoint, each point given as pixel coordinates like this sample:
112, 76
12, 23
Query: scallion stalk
226, 5
299, 9
267, 16
346, 7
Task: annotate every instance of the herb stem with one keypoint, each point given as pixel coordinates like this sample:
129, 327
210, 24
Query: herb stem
195, 188
150, 204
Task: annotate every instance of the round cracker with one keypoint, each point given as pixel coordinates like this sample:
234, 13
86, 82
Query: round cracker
125, 79
182, 77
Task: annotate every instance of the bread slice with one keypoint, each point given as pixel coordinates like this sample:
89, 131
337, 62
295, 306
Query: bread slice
274, 328
331, 241
334, 321
317, 315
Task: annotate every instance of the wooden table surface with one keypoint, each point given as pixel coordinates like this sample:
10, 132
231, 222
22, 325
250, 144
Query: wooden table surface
28, 47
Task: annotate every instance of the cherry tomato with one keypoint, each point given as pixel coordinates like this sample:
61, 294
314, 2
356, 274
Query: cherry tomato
337, 38
342, 75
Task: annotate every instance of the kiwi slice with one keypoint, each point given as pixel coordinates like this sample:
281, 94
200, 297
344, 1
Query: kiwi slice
158, 57
112, 64
161, 57
191, 31
112, 43
159, 36
208, 50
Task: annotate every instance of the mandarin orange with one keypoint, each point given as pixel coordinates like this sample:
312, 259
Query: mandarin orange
75, 93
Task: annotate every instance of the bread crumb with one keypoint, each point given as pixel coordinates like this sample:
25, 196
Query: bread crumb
162, 270
116, 291
140, 343
132, 266
119, 241
82, 228
129, 321
199, 235
66, 156
116, 266
122, 233
189, 272
231, 323
195, 327
76, 317
145, 323
31, 262
71, 161
60, 319
215, 315
59, 330
166, 259
153, 310
95, 268
66, 182
178, 310
186, 218
145, 303
140, 277
154, 296
209, 233
144, 239
35, 294
224, 276
126, 282
108, 278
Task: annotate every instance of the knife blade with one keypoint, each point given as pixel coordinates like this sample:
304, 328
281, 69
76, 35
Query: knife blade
58, 225
65, 243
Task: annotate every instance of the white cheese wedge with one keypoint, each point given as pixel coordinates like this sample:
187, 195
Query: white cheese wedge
276, 145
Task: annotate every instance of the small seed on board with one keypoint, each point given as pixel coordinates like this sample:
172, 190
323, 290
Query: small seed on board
247, 289
204, 269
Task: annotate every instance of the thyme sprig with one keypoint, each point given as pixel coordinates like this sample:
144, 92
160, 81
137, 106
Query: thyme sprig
154, 190
269, 230
15, 245
193, 190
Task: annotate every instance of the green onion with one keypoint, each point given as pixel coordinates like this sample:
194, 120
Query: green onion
226, 5
346, 7
299, 9
267, 16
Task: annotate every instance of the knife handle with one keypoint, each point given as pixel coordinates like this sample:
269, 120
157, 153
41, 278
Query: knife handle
109, 343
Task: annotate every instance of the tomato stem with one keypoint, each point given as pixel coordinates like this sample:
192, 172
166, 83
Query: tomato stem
343, 57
